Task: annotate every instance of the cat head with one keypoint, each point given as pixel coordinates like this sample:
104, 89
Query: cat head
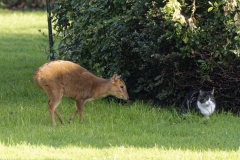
206, 97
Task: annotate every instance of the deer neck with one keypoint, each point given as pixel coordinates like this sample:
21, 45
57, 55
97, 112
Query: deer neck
103, 88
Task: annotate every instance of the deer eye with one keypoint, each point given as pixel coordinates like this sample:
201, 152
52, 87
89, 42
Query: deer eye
121, 87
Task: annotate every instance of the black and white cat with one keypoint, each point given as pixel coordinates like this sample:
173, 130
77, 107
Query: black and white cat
202, 100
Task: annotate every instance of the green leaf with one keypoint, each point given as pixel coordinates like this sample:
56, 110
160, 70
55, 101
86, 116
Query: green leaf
185, 39
201, 61
210, 9
206, 77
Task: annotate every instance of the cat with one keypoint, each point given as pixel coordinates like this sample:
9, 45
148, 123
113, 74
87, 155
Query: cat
202, 100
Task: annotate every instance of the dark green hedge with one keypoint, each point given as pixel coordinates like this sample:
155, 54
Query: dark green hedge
24, 4
160, 56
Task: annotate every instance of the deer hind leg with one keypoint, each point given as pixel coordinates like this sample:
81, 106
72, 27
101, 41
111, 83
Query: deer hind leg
73, 116
59, 116
80, 108
53, 102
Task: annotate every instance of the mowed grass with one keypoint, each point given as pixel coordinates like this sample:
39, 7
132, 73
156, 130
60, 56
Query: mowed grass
111, 130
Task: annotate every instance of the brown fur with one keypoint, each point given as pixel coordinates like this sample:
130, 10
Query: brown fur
64, 78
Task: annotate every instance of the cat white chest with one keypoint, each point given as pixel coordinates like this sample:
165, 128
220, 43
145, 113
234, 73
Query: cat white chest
206, 108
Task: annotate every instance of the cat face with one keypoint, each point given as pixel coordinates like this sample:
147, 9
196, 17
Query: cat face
206, 98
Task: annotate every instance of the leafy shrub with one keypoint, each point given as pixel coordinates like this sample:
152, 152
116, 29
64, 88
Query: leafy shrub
23, 4
163, 49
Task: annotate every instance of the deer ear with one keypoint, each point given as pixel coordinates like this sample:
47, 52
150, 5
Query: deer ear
115, 77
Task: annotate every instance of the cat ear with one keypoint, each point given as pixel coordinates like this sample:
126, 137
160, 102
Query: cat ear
212, 92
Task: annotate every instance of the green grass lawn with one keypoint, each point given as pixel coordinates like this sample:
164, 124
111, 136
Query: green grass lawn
110, 130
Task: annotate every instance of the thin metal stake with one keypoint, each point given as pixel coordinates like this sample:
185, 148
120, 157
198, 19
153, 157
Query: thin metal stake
50, 36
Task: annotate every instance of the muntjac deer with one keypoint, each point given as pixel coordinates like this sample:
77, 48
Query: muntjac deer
63, 78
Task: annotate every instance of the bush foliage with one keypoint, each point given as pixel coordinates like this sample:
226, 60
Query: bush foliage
24, 4
163, 49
